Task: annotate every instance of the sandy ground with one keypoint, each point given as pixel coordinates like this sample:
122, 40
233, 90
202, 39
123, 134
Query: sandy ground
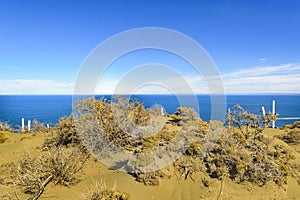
188, 189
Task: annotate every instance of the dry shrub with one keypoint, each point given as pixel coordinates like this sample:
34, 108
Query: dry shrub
100, 192
129, 126
240, 152
149, 178
8, 173
38, 126
112, 119
65, 134
64, 165
4, 126
244, 154
119, 120
61, 165
139, 115
186, 166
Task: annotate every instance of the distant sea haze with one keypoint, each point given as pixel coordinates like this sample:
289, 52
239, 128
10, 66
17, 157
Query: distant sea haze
49, 108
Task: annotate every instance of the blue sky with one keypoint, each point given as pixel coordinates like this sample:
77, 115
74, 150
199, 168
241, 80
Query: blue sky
255, 44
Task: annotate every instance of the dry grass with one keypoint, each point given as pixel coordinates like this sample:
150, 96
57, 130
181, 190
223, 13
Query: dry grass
100, 192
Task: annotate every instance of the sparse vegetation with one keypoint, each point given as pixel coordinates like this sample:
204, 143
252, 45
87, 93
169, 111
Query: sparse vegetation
100, 191
4, 126
38, 126
64, 135
291, 136
239, 151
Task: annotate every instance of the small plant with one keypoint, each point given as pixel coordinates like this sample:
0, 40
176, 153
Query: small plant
38, 126
206, 182
65, 134
100, 192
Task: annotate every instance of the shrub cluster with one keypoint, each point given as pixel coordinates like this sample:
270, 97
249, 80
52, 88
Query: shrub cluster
240, 152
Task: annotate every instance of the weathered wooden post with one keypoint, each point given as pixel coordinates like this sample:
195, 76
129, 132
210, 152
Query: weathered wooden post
227, 115
273, 112
23, 125
29, 124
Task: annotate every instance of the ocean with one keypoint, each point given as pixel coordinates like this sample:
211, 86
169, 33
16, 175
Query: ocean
49, 108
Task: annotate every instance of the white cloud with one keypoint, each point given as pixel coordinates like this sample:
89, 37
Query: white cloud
260, 79
262, 60
9, 67
35, 86
269, 79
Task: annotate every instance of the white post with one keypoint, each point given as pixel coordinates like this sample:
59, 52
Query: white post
23, 125
263, 111
273, 112
29, 123
47, 126
162, 111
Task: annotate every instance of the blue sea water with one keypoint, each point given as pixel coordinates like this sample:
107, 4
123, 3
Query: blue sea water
49, 108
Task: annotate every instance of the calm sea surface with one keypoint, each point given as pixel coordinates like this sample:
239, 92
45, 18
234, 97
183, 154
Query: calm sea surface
49, 108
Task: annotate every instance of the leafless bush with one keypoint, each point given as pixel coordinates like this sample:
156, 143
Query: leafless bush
249, 124
33, 173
